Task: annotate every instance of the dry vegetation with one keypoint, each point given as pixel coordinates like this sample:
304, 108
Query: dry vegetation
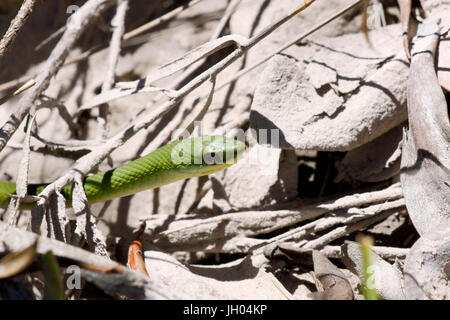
357, 90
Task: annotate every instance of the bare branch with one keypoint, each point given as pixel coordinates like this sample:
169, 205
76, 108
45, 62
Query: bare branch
118, 25
86, 223
22, 177
26, 86
85, 15
154, 23
287, 45
195, 233
16, 25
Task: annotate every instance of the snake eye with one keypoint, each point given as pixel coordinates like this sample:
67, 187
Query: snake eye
212, 158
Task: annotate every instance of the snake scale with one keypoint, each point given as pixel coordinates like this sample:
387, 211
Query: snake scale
179, 160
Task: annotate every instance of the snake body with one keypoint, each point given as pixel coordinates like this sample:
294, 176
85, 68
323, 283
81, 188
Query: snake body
182, 159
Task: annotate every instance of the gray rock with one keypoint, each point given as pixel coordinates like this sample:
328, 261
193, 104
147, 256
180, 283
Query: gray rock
375, 161
427, 267
265, 176
241, 279
361, 96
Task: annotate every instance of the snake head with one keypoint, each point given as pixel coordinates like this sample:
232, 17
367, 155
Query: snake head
206, 155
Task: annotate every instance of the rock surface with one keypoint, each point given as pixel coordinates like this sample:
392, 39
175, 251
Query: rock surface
362, 96
264, 177
241, 279
375, 161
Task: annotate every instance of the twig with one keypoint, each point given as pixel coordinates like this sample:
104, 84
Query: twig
50, 103
405, 18
53, 36
86, 223
26, 86
199, 116
289, 44
226, 17
243, 45
85, 15
154, 23
388, 253
352, 215
16, 25
22, 177
345, 230
56, 218
118, 25
73, 153
128, 282
252, 223
215, 35
15, 83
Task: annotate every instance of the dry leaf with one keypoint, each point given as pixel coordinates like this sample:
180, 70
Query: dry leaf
16, 262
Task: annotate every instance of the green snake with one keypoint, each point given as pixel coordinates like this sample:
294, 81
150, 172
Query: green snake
182, 159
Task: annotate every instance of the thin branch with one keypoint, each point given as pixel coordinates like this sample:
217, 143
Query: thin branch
181, 235
86, 225
84, 16
388, 253
16, 25
22, 176
288, 45
154, 23
136, 32
118, 24
199, 116
226, 17
346, 230
50, 103
73, 153
26, 86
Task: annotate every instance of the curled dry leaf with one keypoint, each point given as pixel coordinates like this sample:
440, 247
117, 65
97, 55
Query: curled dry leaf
427, 268
135, 253
386, 279
15, 262
438, 10
425, 169
240, 279
334, 283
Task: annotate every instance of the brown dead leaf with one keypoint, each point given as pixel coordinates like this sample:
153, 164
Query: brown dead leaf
15, 262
